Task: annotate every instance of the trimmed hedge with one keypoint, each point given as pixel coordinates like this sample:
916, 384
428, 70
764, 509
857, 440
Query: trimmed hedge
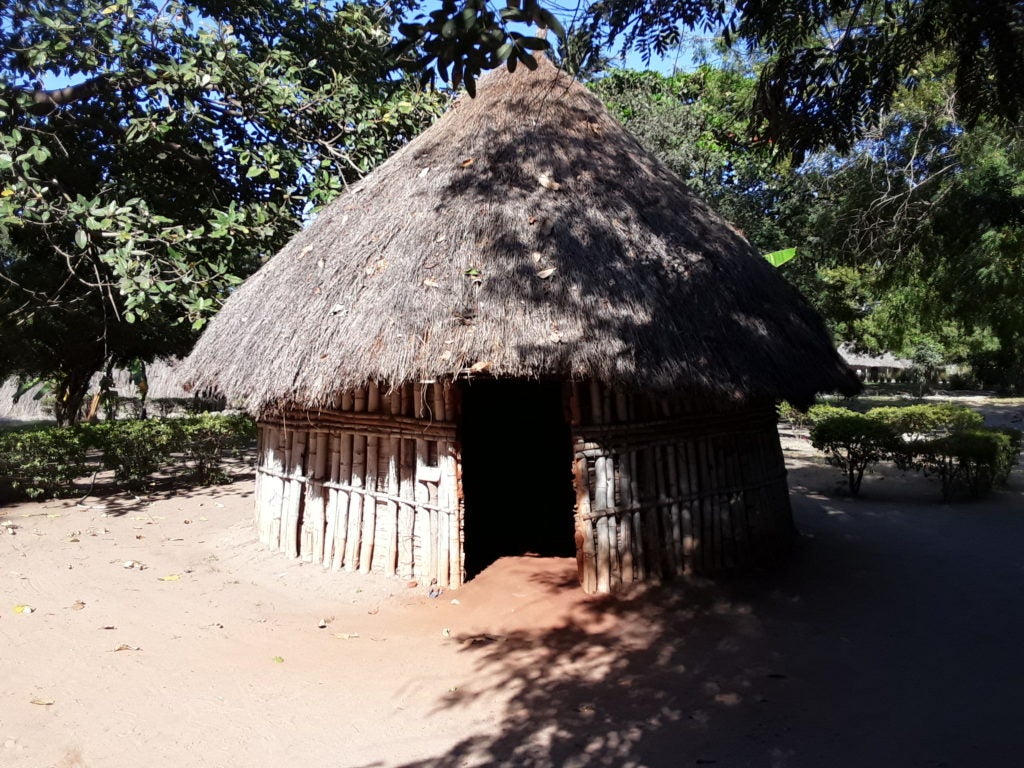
852, 442
45, 461
945, 440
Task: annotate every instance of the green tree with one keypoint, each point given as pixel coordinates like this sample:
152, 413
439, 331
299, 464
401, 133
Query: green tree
153, 153
831, 66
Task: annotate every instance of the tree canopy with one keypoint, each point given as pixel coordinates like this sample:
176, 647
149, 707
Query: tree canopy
153, 153
912, 242
830, 67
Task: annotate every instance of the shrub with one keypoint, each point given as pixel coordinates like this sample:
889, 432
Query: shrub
927, 418
43, 461
205, 440
134, 449
821, 412
1010, 454
852, 442
975, 458
791, 415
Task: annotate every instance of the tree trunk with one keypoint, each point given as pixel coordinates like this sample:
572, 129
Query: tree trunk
71, 390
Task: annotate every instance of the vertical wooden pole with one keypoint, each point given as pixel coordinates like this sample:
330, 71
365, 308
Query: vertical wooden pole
394, 458
426, 519
296, 495
603, 541
369, 526
449, 497
626, 514
406, 513
358, 500
312, 549
344, 500
331, 513
586, 549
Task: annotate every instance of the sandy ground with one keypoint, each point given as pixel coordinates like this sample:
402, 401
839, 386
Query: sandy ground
893, 639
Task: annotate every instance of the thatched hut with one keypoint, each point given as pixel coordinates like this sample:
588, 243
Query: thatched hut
521, 333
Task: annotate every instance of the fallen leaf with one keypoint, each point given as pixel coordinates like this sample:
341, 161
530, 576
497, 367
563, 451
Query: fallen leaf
24, 609
467, 162
446, 632
431, 283
108, 626
172, 577
126, 647
41, 701
79, 605
480, 367
544, 274
548, 183
278, 659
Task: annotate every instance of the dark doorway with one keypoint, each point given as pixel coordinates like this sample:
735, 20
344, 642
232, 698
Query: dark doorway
516, 471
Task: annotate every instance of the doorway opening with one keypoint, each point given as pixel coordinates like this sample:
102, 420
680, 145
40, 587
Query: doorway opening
516, 472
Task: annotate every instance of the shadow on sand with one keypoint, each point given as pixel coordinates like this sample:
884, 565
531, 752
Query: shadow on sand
892, 640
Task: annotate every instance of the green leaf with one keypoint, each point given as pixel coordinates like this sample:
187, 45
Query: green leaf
778, 258
81, 239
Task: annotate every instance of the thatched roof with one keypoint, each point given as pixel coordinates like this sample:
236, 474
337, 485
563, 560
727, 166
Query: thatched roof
856, 359
528, 235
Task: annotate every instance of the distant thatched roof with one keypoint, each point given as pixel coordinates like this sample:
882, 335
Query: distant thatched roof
864, 360
525, 233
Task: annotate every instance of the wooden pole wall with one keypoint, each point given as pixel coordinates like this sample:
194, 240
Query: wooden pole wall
666, 486
663, 486
370, 485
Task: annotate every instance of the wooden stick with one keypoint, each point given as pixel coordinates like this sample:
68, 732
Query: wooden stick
316, 502
290, 531
651, 527
586, 554
640, 553
426, 519
344, 500
575, 415
626, 524
394, 458
450, 402
675, 492
406, 513
355, 503
450, 500
369, 531
331, 513
595, 403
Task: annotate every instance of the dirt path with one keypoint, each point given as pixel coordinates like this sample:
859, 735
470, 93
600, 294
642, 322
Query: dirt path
892, 640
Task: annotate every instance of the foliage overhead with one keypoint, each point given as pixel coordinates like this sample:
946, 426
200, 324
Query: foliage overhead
153, 153
830, 66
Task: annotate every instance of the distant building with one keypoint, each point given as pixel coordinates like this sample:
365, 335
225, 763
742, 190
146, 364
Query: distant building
875, 368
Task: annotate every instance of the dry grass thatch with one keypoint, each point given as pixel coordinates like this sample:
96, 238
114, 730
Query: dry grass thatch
527, 234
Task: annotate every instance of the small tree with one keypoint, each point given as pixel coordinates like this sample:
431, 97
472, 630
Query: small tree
853, 442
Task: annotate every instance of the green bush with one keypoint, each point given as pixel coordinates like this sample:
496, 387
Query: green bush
819, 413
973, 458
206, 439
43, 461
134, 449
852, 442
46, 460
1010, 455
928, 418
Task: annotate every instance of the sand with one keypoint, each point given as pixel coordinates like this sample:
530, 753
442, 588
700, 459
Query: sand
162, 634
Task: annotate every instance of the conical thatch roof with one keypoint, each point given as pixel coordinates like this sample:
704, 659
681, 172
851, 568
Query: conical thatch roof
527, 234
